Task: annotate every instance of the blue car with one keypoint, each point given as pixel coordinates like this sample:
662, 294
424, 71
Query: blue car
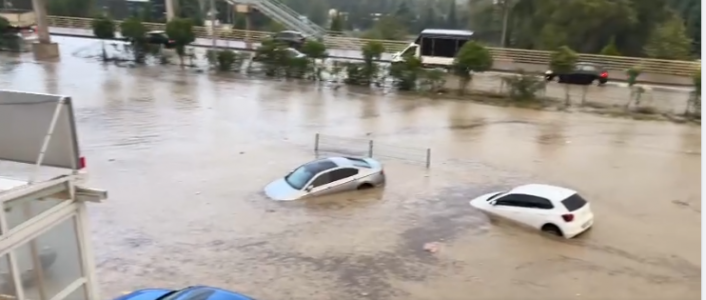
189, 293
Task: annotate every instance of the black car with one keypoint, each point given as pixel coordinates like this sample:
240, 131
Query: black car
584, 73
291, 38
157, 37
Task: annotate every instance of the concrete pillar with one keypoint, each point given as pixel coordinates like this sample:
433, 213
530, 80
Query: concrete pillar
171, 11
247, 10
44, 48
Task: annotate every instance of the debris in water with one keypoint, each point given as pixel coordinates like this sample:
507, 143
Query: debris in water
432, 247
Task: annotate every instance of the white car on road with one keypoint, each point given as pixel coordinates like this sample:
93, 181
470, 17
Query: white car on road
551, 209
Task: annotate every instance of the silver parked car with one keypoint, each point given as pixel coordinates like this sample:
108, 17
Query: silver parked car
326, 176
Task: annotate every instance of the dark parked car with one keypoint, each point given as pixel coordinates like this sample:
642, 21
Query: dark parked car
158, 37
291, 38
584, 73
161, 38
291, 52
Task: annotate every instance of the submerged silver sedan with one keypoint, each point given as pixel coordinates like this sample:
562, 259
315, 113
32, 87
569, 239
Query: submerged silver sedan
326, 176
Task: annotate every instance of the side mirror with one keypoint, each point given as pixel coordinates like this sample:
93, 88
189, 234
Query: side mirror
492, 202
308, 188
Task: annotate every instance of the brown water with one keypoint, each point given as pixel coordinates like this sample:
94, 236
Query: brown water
185, 155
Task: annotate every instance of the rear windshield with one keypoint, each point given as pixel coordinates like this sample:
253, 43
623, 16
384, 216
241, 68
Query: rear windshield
575, 202
359, 162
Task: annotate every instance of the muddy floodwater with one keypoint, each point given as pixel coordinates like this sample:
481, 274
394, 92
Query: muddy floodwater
185, 155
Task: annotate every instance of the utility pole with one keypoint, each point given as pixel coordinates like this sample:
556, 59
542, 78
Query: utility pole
212, 15
169, 6
506, 6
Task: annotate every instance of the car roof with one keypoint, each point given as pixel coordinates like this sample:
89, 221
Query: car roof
342, 161
551, 192
446, 32
156, 31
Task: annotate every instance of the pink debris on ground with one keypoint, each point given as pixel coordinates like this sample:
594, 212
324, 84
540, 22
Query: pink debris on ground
432, 247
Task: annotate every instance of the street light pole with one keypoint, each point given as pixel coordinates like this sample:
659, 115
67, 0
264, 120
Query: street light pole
213, 23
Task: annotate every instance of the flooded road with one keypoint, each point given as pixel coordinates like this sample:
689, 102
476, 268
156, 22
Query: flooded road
185, 155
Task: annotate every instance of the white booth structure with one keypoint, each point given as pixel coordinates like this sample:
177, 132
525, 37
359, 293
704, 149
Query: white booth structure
45, 251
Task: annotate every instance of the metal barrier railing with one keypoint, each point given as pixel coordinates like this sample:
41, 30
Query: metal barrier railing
522, 56
333, 145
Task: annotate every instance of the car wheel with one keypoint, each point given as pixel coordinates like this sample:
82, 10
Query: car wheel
552, 229
602, 82
365, 186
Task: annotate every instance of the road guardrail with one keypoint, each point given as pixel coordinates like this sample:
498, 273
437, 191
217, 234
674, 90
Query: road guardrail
515, 56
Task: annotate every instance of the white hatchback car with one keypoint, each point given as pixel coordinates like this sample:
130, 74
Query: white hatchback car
551, 209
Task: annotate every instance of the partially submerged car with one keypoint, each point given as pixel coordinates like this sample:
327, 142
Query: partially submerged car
189, 293
326, 176
157, 37
583, 73
552, 209
289, 51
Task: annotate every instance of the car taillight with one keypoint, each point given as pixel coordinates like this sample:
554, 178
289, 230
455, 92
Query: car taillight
604, 74
171, 41
568, 217
81, 163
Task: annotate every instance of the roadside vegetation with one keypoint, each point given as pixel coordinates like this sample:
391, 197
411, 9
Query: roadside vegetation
667, 29
311, 62
8, 40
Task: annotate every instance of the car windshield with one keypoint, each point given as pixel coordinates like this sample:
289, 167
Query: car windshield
574, 202
302, 175
495, 196
189, 293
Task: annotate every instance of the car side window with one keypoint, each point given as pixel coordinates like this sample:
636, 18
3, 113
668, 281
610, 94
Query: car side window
344, 173
530, 201
509, 200
322, 179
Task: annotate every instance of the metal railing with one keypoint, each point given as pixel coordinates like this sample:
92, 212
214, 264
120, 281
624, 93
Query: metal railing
516, 56
333, 145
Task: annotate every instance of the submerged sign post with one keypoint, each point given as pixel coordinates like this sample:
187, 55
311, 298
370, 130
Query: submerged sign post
38, 129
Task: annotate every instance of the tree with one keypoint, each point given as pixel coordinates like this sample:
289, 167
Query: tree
315, 50
104, 29
4, 25
635, 92
406, 73
694, 105
506, 7
669, 40
372, 51
70, 8
134, 31
181, 31
337, 23
405, 15
563, 61
451, 17
388, 28
473, 57
610, 49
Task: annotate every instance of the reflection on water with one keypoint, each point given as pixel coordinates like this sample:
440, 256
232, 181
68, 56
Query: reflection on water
185, 155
